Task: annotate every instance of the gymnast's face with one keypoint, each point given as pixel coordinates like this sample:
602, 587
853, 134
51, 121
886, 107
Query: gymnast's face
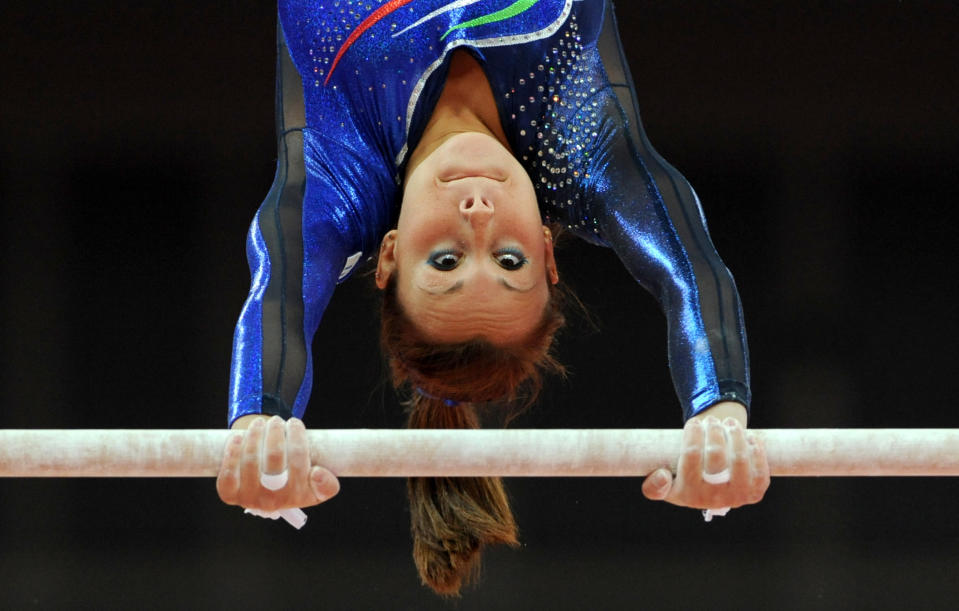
471, 254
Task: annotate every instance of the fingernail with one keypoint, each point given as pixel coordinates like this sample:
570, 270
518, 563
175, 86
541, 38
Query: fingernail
661, 480
258, 424
731, 422
318, 479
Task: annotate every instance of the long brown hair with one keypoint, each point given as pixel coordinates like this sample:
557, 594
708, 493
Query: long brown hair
452, 518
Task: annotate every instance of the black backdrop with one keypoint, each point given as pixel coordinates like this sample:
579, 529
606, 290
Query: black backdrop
136, 140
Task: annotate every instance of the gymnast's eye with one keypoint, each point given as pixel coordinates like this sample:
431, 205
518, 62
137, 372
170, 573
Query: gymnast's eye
445, 260
510, 260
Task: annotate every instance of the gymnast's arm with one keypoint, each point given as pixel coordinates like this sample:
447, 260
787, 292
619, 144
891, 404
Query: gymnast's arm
270, 377
651, 217
707, 348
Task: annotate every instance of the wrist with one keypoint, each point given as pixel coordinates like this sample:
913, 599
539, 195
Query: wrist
723, 410
244, 422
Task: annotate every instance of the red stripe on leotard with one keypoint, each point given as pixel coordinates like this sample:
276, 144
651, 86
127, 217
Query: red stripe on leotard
367, 23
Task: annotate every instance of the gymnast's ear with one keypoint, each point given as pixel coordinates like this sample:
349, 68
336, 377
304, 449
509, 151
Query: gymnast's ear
386, 262
551, 272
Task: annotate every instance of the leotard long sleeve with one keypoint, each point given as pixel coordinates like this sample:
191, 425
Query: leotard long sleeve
356, 85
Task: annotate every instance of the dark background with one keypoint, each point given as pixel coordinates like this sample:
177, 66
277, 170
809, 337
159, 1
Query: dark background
136, 140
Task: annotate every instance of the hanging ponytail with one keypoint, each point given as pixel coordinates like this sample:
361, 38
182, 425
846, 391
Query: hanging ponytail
452, 518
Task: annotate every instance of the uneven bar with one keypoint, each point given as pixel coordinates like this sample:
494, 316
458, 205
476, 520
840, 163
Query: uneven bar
508, 453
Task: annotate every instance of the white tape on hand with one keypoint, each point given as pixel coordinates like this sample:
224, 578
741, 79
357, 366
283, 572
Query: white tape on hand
275, 481
294, 516
721, 477
708, 514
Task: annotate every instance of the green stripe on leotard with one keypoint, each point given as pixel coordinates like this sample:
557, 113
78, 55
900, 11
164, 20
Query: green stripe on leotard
512, 10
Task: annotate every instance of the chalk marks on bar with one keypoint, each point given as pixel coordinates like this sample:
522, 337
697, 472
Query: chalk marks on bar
508, 453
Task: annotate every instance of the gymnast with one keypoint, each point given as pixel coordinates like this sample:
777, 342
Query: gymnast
451, 142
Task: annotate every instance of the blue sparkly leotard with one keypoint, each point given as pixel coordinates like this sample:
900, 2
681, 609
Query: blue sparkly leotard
357, 82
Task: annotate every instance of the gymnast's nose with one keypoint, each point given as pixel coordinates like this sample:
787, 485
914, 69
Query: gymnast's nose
476, 209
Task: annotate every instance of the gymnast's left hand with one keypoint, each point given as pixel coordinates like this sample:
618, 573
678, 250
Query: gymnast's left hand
267, 446
721, 465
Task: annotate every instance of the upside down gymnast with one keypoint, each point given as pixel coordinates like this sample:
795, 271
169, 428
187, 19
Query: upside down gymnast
450, 141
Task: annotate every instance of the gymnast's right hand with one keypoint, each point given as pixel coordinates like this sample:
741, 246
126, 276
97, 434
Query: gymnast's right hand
267, 446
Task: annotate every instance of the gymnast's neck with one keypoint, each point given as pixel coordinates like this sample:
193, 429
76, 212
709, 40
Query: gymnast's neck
465, 105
